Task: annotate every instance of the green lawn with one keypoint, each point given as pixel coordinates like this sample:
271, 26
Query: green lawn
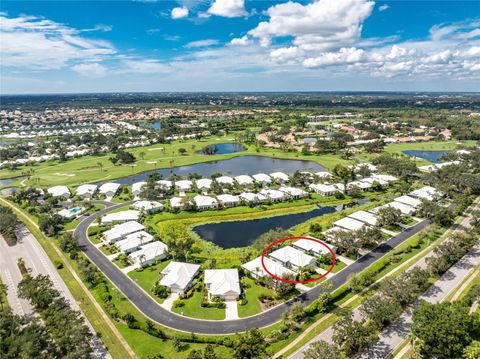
147, 277
192, 308
252, 293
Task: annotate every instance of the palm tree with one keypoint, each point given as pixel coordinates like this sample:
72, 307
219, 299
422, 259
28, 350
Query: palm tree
142, 155
100, 165
3, 294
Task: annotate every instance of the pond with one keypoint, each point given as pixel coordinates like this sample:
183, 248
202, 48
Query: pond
222, 149
6, 182
243, 233
156, 125
432, 156
248, 165
8, 191
6, 143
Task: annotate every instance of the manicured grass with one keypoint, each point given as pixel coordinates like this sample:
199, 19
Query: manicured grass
91, 169
119, 263
193, 308
71, 225
252, 293
147, 277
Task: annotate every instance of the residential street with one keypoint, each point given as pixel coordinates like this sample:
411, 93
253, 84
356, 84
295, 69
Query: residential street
37, 262
394, 335
148, 306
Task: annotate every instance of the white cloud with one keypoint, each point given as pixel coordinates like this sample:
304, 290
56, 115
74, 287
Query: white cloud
202, 43
34, 43
342, 57
320, 25
142, 67
240, 41
228, 8
92, 70
383, 7
179, 12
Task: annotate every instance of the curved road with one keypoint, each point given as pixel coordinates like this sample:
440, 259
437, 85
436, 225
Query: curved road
150, 308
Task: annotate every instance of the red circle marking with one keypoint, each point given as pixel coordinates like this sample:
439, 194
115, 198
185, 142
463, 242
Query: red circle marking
298, 281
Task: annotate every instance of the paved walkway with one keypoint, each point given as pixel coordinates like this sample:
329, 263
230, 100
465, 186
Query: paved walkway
37, 262
231, 309
168, 302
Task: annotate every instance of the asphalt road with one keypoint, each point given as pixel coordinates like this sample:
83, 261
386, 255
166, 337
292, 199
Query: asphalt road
37, 262
150, 308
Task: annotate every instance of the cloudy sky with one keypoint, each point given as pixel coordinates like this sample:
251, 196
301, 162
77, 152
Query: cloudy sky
239, 45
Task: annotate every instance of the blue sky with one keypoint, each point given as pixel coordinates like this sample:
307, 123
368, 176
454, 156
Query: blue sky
237, 45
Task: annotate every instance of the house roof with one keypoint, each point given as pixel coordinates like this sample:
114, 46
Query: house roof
262, 177
323, 174
244, 179
349, 224
176, 202
58, 191
426, 192
222, 281
122, 229
272, 193
413, 202
386, 178
293, 256
313, 246
134, 240
86, 189
365, 217
128, 215
179, 274
150, 250
147, 205
165, 184
109, 187
374, 179
323, 188
293, 191
404, 208
255, 266
204, 183
224, 180
183, 184
205, 201
228, 198
137, 186
279, 176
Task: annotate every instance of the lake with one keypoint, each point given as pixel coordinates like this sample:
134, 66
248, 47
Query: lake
6, 143
243, 233
222, 149
156, 125
241, 165
432, 156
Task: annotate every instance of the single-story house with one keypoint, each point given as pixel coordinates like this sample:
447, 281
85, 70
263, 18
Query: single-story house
178, 276
262, 178
148, 206
225, 180
349, 224
360, 184
256, 269
427, 168
404, 208
164, 185
372, 180
323, 175
292, 258
70, 213
59, 191
413, 202
222, 283
109, 189
244, 180
252, 197
312, 246
339, 186
203, 184
137, 188
121, 230
228, 200
426, 192
273, 194
365, 217
133, 241
86, 190
177, 203
205, 202
183, 186
279, 177
386, 178
323, 189
293, 192
149, 253
122, 216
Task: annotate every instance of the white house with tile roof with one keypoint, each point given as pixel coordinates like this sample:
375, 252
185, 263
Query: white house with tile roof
122, 216
133, 241
178, 276
279, 177
121, 230
292, 258
256, 269
365, 217
86, 190
205, 202
109, 189
262, 178
228, 200
59, 191
150, 253
222, 283
148, 206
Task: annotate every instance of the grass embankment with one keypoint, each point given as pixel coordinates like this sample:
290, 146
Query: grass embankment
192, 308
90, 169
252, 292
147, 277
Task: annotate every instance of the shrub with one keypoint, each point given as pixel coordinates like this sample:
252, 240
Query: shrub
178, 303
